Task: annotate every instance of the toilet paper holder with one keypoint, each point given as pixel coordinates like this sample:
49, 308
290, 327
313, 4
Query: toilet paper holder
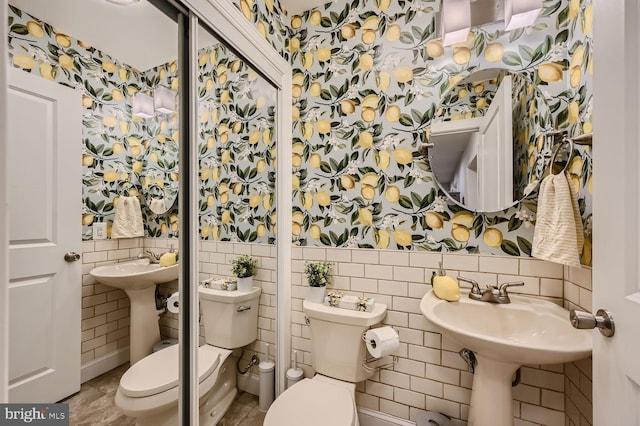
368, 363
369, 367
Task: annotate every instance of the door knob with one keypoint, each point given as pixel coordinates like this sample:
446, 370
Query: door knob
602, 319
72, 256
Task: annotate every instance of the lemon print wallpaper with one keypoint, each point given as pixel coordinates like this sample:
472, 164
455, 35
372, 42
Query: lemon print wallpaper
127, 155
368, 76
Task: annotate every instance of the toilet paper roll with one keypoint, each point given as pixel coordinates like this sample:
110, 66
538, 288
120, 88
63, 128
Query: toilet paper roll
382, 341
172, 303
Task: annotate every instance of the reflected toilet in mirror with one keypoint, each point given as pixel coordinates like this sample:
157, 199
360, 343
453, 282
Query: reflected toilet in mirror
487, 147
149, 390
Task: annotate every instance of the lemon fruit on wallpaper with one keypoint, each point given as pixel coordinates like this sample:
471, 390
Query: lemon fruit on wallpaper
367, 79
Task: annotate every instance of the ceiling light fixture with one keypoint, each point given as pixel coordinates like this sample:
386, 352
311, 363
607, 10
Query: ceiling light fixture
456, 21
146, 106
143, 105
164, 100
521, 13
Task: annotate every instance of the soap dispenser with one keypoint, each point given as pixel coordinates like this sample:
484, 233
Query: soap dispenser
445, 287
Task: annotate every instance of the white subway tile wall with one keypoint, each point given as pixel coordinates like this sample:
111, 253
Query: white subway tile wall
215, 261
105, 310
430, 374
578, 375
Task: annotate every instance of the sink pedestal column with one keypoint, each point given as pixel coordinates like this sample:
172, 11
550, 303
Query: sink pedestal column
491, 397
144, 330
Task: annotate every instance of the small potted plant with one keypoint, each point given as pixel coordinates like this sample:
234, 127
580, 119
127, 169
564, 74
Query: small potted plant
244, 267
318, 277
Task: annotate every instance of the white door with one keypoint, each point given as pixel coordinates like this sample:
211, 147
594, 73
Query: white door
495, 152
616, 259
44, 193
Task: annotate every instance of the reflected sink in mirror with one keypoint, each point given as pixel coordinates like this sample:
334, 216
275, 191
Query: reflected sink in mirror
503, 337
135, 275
138, 279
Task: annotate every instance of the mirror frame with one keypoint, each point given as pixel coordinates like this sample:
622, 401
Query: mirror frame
223, 19
472, 124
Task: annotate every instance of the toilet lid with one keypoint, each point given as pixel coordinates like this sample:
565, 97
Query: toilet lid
158, 372
312, 403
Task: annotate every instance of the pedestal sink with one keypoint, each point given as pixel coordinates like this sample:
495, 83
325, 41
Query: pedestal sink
138, 279
503, 337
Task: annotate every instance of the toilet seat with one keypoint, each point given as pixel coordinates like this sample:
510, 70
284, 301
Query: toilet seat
312, 403
158, 372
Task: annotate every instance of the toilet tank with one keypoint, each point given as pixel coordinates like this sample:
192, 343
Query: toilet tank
230, 318
337, 347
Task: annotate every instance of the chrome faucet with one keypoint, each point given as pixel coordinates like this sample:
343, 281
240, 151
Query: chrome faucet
492, 294
153, 258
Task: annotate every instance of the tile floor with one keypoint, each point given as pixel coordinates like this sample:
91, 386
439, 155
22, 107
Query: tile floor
93, 405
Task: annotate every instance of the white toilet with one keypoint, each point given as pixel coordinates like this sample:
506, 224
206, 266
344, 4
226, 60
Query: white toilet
338, 351
148, 390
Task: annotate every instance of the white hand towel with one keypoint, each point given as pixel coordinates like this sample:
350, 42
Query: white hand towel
128, 220
558, 235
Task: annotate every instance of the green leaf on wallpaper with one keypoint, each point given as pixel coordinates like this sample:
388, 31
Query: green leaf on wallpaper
525, 52
563, 116
548, 11
582, 205
417, 116
417, 32
405, 202
510, 248
514, 223
405, 120
409, 99
562, 18
406, 38
408, 181
492, 221
524, 245
455, 208
450, 244
562, 36
477, 225
417, 200
516, 34
324, 239
409, 16
16, 11
511, 59
19, 29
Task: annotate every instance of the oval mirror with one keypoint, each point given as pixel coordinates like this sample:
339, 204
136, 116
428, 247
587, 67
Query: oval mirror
487, 148
160, 174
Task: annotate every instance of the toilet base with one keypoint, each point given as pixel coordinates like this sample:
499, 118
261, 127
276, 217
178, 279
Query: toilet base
213, 405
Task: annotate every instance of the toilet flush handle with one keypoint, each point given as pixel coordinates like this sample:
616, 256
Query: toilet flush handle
243, 308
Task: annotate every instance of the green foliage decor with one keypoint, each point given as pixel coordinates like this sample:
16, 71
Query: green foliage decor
318, 273
244, 266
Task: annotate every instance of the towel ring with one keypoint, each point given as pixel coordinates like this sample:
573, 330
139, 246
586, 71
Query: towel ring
555, 154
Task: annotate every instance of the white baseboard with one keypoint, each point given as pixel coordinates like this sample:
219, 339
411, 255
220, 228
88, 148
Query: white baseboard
367, 417
108, 362
249, 383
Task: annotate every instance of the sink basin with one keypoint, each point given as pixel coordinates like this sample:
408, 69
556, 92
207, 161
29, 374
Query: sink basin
503, 337
138, 279
134, 275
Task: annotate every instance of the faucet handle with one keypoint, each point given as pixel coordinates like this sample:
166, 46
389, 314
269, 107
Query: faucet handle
475, 287
504, 286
